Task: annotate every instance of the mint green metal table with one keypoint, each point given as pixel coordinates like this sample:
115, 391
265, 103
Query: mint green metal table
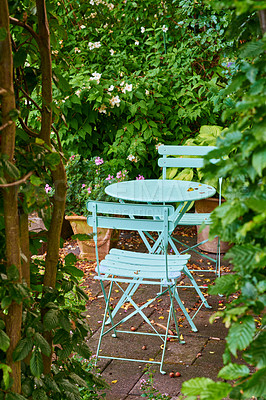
163, 191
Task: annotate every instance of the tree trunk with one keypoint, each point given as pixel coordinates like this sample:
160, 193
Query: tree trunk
59, 175
14, 317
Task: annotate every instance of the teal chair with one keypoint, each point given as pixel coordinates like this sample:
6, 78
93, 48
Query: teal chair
190, 157
132, 268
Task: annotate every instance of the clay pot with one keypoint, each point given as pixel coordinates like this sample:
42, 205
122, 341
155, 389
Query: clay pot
207, 206
107, 238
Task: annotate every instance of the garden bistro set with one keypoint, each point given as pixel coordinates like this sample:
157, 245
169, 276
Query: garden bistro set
153, 208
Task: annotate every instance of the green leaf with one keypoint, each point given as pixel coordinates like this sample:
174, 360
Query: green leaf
216, 391
52, 159
233, 371
36, 363
82, 237
6, 301
259, 161
20, 57
4, 341
256, 353
195, 386
240, 334
77, 379
11, 169
224, 285
14, 396
22, 349
6, 377
13, 273
83, 350
36, 181
255, 386
71, 270
70, 259
50, 320
42, 343
3, 33
39, 394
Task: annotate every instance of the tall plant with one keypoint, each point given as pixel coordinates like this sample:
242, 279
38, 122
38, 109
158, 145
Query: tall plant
38, 289
241, 220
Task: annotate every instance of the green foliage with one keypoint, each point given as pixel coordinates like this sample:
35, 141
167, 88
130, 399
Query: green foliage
133, 74
148, 390
241, 220
87, 180
58, 311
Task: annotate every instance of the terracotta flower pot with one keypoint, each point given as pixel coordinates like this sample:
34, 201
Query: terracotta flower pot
107, 238
207, 206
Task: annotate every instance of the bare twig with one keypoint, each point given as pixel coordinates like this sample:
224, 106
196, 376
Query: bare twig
15, 21
22, 180
6, 125
27, 129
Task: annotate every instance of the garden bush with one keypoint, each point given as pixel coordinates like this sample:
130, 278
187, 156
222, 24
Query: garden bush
132, 74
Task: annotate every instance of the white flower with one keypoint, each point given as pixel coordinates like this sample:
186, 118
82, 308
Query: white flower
122, 83
147, 92
78, 92
111, 88
131, 158
128, 88
142, 29
110, 6
115, 101
92, 2
136, 42
82, 26
102, 109
97, 45
96, 76
165, 28
77, 50
112, 52
91, 45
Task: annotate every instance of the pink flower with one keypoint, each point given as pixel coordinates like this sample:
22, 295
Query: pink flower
99, 161
83, 185
109, 177
47, 188
89, 190
140, 177
72, 158
119, 174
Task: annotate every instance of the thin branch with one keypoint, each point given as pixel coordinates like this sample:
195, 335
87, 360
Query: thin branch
27, 129
6, 125
16, 183
3, 92
15, 21
30, 98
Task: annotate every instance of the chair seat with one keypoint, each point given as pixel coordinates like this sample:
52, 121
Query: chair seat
142, 266
195, 219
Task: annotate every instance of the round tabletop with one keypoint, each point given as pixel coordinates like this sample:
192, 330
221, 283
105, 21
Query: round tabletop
160, 191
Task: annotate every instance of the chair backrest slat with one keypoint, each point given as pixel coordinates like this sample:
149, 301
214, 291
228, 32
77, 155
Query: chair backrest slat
129, 224
141, 210
180, 162
189, 156
185, 150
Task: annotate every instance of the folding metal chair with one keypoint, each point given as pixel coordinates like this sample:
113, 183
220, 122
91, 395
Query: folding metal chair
125, 267
190, 157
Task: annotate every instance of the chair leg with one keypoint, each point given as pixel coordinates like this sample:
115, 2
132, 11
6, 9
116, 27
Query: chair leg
171, 312
192, 280
107, 309
183, 308
130, 290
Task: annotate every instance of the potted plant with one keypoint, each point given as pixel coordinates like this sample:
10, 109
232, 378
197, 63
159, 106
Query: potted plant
207, 136
87, 180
